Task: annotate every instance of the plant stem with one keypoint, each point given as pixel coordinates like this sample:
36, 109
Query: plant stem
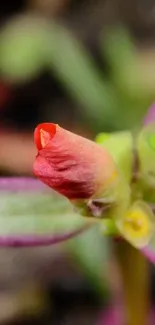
135, 281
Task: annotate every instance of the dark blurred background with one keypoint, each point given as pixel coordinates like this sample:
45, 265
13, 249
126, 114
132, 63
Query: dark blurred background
89, 66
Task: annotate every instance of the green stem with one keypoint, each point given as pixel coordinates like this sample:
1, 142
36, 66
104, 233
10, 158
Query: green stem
135, 281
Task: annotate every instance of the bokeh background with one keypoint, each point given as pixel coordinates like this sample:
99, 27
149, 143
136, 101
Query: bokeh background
89, 66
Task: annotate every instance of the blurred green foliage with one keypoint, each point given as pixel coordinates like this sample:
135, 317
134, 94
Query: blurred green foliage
113, 100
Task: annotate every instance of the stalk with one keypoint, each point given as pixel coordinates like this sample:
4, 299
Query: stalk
134, 273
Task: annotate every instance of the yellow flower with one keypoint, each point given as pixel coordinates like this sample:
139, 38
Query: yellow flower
138, 224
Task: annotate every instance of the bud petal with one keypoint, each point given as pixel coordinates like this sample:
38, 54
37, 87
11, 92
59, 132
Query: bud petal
72, 165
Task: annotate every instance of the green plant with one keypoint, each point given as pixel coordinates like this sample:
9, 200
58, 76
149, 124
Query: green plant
32, 215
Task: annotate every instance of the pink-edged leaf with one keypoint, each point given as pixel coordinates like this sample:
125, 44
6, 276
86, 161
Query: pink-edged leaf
149, 254
38, 240
31, 214
19, 184
150, 116
149, 250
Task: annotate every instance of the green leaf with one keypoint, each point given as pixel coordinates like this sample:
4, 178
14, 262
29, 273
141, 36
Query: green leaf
21, 43
146, 153
30, 213
117, 45
120, 146
76, 70
102, 137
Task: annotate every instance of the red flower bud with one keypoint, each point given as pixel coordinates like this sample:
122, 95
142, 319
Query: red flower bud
70, 164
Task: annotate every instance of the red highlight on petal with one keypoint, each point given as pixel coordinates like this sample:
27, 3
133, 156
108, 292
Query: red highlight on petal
43, 133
